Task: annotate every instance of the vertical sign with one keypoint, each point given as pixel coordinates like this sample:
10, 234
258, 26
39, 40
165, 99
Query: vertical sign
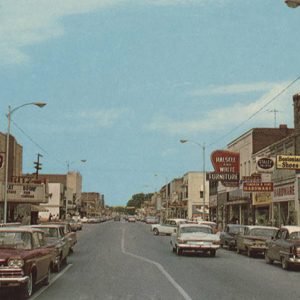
2, 155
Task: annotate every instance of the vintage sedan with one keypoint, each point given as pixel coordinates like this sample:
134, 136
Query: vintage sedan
252, 240
195, 238
71, 235
56, 238
167, 227
25, 259
151, 220
284, 247
228, 236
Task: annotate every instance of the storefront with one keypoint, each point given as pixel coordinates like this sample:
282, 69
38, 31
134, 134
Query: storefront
261, 202
213, 203
239, 207
283, 206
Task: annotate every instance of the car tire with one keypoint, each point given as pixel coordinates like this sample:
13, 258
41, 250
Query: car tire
212, 253
179, 251
155, 231
172, 248
27, 289
268, 260
284, 263
249, 253
46, 281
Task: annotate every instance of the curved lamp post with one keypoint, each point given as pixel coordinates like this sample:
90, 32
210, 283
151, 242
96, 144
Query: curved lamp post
292, 3
203, 170
10, 112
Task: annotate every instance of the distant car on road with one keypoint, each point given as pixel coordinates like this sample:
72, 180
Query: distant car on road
117, 218
252, 240
167, 227
228, 236
284, 247
131, 219
195, 238
151, 220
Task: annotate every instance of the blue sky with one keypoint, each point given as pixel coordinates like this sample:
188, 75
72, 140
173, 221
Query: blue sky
125, 80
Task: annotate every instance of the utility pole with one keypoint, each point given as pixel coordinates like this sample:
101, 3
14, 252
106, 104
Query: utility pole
38, 165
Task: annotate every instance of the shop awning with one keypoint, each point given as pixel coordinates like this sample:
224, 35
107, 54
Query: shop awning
38, 208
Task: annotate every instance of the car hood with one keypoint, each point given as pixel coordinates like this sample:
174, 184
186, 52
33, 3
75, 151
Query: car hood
199, 236
6, 253
257, 238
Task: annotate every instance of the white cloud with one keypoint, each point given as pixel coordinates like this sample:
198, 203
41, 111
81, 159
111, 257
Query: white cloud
100, 118
28, 22
233, 89
231, 116
25, 23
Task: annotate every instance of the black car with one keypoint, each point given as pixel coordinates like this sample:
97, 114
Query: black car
228, 236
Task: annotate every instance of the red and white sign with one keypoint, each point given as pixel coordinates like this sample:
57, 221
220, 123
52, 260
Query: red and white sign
257, 186
284, 192
227, 167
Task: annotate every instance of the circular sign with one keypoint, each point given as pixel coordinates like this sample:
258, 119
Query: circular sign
265, 163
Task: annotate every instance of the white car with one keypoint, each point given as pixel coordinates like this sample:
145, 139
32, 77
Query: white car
195, 238
167, 227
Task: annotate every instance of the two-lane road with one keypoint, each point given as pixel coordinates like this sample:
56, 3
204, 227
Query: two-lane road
123, 261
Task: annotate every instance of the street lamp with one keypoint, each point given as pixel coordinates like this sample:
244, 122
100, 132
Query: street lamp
10, 112
292, 3
203, 171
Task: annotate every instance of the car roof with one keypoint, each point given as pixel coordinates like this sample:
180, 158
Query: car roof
46, 226
236, 225
19, 229
261, 227
194, 225
292, 229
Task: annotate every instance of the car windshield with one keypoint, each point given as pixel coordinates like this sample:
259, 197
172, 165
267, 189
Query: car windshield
18, 240
295, 235
265, 232
50, 232
235, 229
195, 229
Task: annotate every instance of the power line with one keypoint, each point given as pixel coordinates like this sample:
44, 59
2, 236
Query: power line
257, 112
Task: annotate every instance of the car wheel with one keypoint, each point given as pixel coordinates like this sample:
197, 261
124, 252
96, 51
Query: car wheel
268, 260
249, 253
179, 251
57, 267
212, 253
27, 289
65, 262
172, 248
155, 231
47, 279
284, 263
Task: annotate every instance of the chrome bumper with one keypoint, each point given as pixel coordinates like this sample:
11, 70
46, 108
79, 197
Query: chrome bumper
19, 280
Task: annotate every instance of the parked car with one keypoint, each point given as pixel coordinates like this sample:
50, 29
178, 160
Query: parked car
151, 220
56, 238
167, 227
213, 225
71, 235
25, 260
284, 247
131, 219
117, 218
252, 240
228, 236
195, 238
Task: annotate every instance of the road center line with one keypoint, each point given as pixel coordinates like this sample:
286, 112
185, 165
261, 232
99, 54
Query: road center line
159, 266
39, 292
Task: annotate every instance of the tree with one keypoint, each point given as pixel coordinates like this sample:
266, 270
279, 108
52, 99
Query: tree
138, 199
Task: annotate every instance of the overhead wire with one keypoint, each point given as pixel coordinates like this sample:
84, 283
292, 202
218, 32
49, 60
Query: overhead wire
255, 113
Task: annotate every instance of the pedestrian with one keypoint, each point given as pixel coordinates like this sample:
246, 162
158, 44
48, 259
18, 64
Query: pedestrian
50, 217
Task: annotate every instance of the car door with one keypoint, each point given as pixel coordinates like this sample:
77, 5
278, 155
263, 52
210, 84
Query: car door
171, 227
273, 246
65, 240
41, 257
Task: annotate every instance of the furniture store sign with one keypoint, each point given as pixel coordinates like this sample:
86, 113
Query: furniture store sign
26, 193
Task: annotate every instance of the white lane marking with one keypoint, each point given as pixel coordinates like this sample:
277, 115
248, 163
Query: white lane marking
159, 266
37, 294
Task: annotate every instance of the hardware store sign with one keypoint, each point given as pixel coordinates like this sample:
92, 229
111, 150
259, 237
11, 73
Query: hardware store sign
290, 162
258, 186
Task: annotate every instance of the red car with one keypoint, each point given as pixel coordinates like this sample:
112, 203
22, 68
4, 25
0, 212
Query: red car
25, 260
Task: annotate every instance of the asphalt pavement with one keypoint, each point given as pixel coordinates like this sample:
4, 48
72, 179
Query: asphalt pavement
125, 261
